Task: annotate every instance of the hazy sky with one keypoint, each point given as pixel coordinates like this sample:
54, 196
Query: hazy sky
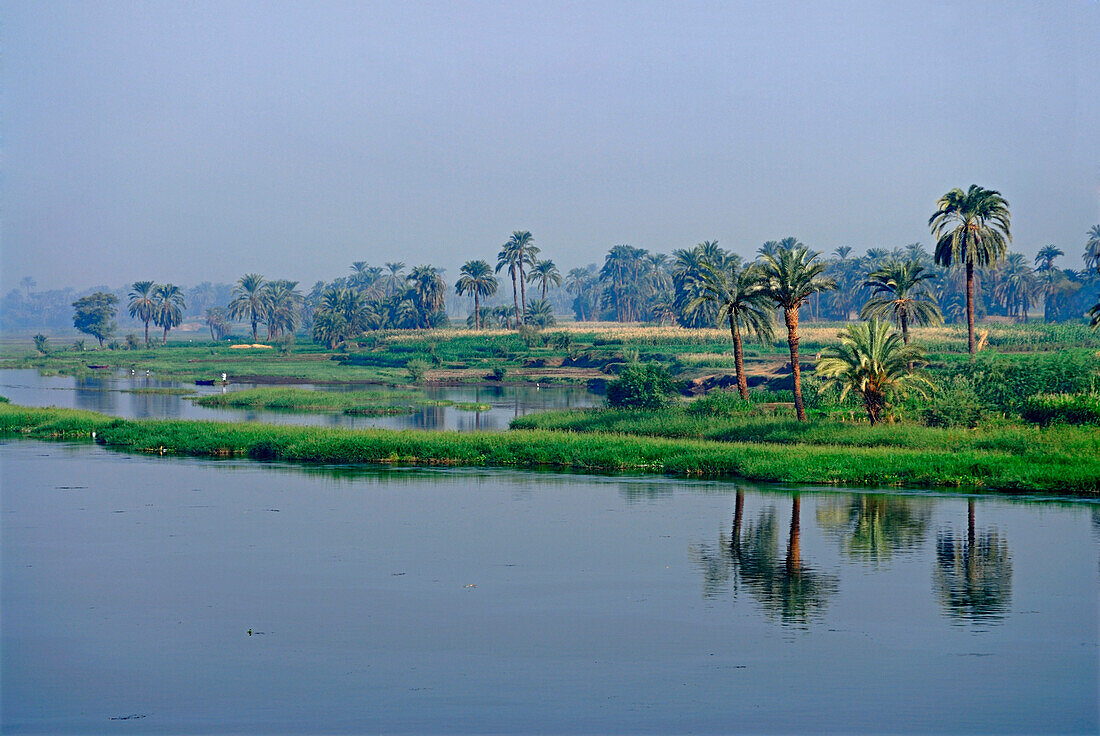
190, 141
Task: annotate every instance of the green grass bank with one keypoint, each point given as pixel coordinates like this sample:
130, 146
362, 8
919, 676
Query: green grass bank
1034, 467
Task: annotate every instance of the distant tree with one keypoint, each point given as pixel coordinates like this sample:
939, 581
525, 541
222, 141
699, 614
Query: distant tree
143, 304
95, 315
217, 319
283, 311
899, 293
477, 279
544, 273
540, 313
395, 279
792, 278
168, 312
1044, 259
872, 362
1092, 249
972, 229
516, 254
742, 299
428, 292
40, 343
249, 301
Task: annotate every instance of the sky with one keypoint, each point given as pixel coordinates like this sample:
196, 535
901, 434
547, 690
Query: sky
189, 141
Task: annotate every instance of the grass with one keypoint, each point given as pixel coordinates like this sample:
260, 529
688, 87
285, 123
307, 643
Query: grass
1063, 460
360, 403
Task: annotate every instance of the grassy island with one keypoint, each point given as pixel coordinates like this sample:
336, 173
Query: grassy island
1055, 460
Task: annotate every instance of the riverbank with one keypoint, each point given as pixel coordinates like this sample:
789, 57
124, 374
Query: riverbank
1058, 464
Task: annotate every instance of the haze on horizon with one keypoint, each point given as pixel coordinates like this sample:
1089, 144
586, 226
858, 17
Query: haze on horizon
198, 141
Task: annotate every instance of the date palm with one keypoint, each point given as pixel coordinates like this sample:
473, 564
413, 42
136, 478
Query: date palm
284, 307
168, 312
874, 363
249, 301
428, 292
477, 279
545, 273
143, 304
972, 229
792, 277
1092, 249
1044, 259
395, 279
898, 292
741, 297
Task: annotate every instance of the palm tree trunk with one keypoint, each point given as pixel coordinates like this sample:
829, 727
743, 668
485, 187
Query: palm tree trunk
164, 341
522, 288
477, 312
515, 299
255, 336
794, 542
146, 333
791, 318
739, 359
970, 307
904, 327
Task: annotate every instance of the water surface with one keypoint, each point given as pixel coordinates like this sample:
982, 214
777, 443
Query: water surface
473, 600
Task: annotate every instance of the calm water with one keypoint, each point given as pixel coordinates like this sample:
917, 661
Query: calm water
107, 394
474, 601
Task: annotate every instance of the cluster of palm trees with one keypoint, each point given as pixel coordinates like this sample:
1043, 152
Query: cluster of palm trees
276, 304
375, 298
158, 304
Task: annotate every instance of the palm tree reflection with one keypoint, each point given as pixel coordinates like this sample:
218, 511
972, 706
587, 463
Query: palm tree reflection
875, 528
973, 576
785, 587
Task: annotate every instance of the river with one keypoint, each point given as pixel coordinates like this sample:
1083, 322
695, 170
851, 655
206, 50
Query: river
164, 595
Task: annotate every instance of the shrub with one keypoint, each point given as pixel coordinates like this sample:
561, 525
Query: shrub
953, 403
1062, 408
1004, 382
499, 372
640, 386
40, 343
416, 368
720, 403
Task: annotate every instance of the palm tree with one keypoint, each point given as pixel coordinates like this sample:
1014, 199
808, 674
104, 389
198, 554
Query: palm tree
1044, 259
741, 297
249, 301
168, 312
971, 228
1016, 285
899, 292
1092, 249
510, 256
477, 279
218, 321
873, 362
623, 274
792, 277
143, 304
546, 274
395, 279
284, 307
580, 282
428, 293
539, 313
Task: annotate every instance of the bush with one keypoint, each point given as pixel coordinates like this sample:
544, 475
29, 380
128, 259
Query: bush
416, 369
1004, 382
41, 343
499, 372
720, 403
1062, 408
645, 386
953, 404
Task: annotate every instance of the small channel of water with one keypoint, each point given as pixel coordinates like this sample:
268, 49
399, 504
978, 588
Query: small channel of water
108, 394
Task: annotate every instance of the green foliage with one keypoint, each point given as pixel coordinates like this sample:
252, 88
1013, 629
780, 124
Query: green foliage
41, 344
719, 403
641, 386
953, 403
359, 403
416, 369
95, 315
1047, 409
1004, 382
498, 372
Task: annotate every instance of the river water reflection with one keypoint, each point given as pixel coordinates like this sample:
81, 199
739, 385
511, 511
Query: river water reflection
472, 600
115, 395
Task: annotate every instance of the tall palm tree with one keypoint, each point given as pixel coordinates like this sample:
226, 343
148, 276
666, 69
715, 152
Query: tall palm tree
581, 282
1092, 249
249, 301
477, 279
741, 297
545, 273
873, 362
899, 292
623, 273
143, 304
518, 253
510, 255
218, 321
395, 279
1044, 259
168, 312
428, 292
971, 228
284, 307
792, 278
1016, 285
